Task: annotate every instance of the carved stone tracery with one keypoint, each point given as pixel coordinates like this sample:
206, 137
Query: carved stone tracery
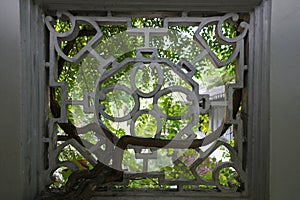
108, 161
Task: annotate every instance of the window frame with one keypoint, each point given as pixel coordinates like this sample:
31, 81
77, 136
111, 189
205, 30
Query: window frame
35, 94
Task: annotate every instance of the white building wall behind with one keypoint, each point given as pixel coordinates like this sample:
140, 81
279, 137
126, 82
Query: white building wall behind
285, 100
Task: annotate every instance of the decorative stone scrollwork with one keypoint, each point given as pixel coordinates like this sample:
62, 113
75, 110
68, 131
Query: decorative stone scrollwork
72, 34
107, 146
222, 38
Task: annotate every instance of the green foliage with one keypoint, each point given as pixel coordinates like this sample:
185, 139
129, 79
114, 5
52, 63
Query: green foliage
178, 171
204, 123
229, 177
174, 104
61, 175
80, 79
147, 22
62, 26
216, 77
146, 79
145, 126
144, 183
222, 51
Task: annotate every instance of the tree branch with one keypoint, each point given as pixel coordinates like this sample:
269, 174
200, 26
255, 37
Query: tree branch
82, 184
69, 128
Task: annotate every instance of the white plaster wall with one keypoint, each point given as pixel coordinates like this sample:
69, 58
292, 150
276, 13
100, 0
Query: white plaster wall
285, 100
10, 101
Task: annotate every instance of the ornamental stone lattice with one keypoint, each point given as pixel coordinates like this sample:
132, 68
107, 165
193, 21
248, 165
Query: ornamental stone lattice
140, 96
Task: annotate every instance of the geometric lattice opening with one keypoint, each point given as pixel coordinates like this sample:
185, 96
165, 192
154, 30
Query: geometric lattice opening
147, 103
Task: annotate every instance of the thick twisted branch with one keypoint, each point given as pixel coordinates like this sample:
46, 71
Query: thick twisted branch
69, 128
82, 184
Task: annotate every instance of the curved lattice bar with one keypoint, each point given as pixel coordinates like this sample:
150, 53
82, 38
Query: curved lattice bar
106, 121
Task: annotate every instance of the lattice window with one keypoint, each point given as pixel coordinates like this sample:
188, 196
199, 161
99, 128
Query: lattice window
146, 104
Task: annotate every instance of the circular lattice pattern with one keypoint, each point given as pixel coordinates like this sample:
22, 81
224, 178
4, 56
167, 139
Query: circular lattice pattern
157, 90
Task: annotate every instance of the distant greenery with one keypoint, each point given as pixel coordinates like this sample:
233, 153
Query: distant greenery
80, 79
